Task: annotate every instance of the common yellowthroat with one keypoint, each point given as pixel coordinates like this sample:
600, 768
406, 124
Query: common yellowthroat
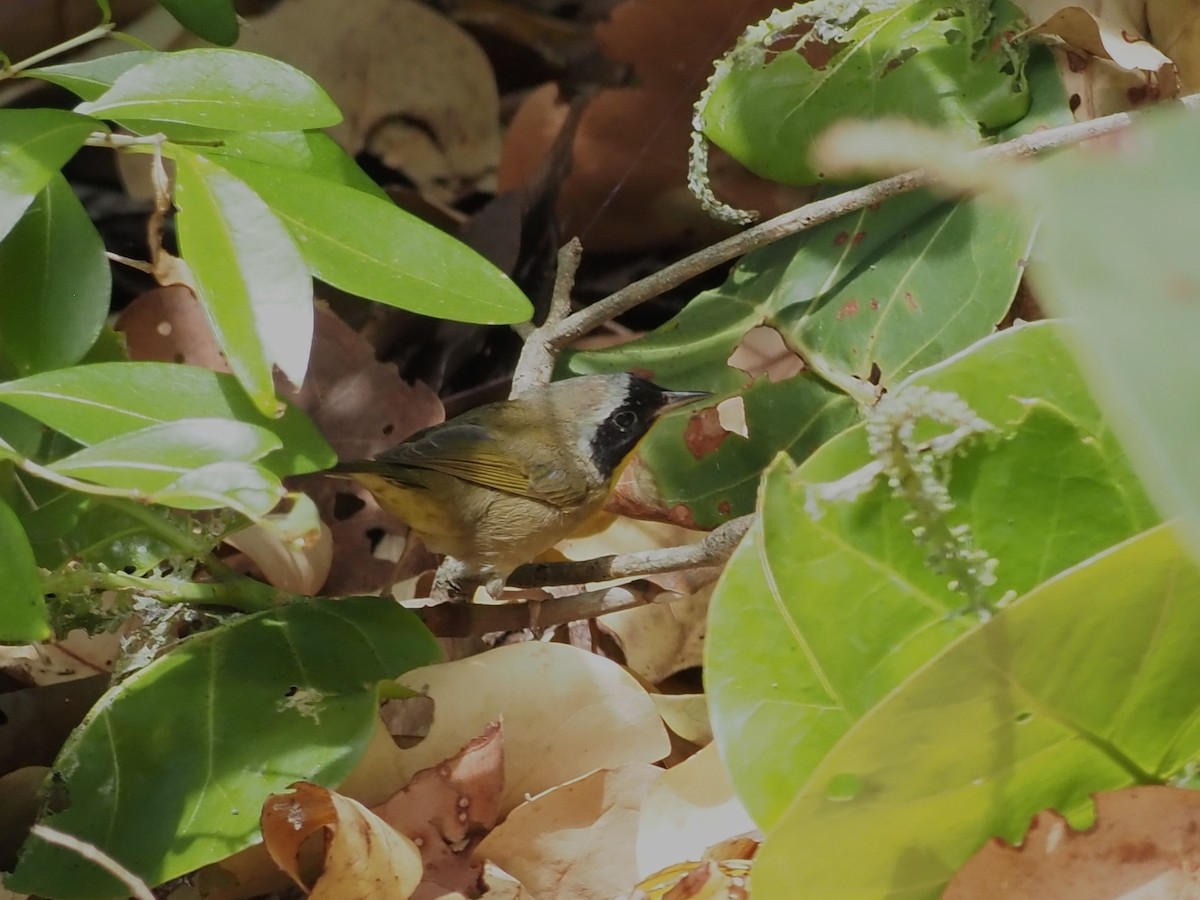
499, 484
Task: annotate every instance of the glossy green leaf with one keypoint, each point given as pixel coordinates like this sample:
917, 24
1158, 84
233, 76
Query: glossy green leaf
248, 274
101, 531
837, 598
953, 66
1118, 255
152, 458
34, 145
248, 488
370, 247
214, 20
55, 283
92, 403
91, 78
313, 152
1089, 683
882, 292
217, 88
23, 616
202, 735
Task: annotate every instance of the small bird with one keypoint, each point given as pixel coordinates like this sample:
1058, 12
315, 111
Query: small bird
500, 484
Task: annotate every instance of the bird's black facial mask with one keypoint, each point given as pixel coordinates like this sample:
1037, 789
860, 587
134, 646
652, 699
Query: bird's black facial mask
618, 434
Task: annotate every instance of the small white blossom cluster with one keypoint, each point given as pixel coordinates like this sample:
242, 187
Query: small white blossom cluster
917, 473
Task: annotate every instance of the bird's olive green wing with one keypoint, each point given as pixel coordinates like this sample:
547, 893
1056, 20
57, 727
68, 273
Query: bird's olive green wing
468, 451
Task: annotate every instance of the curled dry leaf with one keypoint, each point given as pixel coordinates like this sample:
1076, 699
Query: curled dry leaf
686, 715
1114, 31
688, 809
293, 550
445, 809
661, 639
565, 711
627, 188
575, 841
415, 89
1144, 844
364, 856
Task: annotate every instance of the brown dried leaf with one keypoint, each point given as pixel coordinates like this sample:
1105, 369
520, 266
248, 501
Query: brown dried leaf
363, 855
447, 808
1145, 844
627, 188
565, 713
1175, 26
415, 89
168, 324
575, 841
686, 715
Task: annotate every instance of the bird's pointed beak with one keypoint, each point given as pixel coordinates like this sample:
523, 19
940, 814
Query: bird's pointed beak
675, 399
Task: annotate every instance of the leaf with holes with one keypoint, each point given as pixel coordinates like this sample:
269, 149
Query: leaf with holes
206, 732
957, 67
879, 293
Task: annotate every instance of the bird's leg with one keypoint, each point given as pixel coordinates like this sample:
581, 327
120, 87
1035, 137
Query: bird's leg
456, 581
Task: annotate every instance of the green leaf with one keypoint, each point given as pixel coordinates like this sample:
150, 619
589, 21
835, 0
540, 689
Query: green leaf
214, 20
91, 403
1117, 256
91, 78
1089, 683
202, 735
370, 247
114, 534
34, 145
56, 283
249, 276
838, 599
955, 67
305, 151
250, 489
152, 458
879, 293
217, 88
23, 616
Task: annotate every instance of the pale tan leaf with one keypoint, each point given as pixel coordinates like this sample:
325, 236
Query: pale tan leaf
565, 712
1175, 28
686, 715
689, 808
575, 842
661, 639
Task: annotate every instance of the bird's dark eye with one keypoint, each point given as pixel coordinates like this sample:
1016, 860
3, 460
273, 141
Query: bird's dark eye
624, 419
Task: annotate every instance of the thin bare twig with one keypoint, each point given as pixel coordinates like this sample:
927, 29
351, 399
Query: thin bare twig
818, 213
458, 620
714, 550
537, 358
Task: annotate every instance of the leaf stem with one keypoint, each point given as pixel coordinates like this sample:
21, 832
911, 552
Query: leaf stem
92, 34
241, 593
